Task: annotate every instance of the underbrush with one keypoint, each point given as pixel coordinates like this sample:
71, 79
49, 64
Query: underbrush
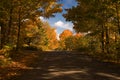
11, 59
111, 57
33, 48
5, 59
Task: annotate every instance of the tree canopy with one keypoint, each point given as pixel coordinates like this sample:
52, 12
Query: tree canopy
100, 21
15, 15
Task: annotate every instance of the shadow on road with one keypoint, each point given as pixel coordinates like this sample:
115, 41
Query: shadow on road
67, 66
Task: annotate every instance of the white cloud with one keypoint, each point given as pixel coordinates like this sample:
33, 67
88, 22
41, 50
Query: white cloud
42, 18
59, 24
63, 25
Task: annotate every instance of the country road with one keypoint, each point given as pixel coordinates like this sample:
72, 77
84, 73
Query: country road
68, 66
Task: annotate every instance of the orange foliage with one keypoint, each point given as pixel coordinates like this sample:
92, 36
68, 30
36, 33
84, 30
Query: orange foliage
65, 34
78, 35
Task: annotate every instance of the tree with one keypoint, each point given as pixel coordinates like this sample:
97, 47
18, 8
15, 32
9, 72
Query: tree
48, 9
77, 42
116, 6
64, 35
51, 36
48, 39
95, 17
3, 21
39, 35
17, 12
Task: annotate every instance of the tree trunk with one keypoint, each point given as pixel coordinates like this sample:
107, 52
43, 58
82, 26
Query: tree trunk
107, 40
19, 30
102, 40
2, 36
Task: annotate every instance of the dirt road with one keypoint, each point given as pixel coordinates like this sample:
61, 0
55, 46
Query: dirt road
67, 66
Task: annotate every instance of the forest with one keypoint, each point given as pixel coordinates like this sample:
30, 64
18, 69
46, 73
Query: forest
96, 23
100, 20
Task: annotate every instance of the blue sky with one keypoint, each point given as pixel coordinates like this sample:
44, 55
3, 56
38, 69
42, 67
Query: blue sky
59, 21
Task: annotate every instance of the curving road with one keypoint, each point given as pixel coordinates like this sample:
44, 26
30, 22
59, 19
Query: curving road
68, 66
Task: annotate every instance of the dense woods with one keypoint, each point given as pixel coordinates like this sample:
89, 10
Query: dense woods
96, 24
22, 28
100, 20
19, 20
96, 34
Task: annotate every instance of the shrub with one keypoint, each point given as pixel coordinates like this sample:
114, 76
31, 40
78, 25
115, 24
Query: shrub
5, 60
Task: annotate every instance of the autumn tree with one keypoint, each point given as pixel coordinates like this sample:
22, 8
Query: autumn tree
95, 20
99, 19
48, 39
64, 35
3, 21
40, 9
52, 37
17, 12
39, 35
77, 42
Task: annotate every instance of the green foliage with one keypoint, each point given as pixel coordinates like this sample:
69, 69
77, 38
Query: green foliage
80, 43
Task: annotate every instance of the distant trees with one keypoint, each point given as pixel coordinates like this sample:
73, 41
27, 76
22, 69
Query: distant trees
64, 35
69, 41
39, 35
15, 14
75, 42
49, 40
52, 37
